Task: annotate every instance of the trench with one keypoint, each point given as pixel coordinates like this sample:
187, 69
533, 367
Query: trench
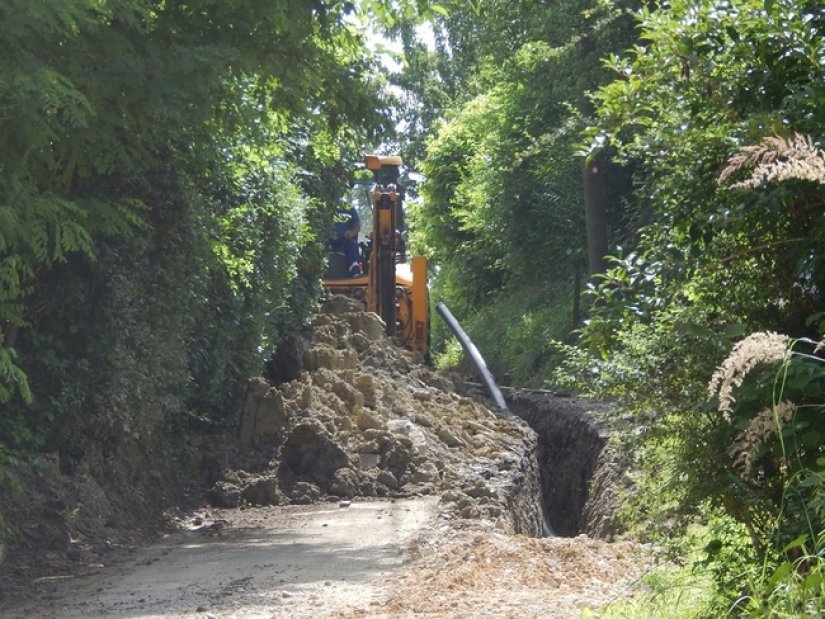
579, 472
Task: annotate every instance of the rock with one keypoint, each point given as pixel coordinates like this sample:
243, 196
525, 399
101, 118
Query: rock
367, 421
479, 489
388, 479
345, 482
368, 387
406, 441
340, 304
364, 418
263, 416
423, 473
309, 453
367, 323
368, 460
286, 362
448, 437
325, 356
395, 459
353, 398
370, 447
263, 491
304, 493
400, 426
224, 494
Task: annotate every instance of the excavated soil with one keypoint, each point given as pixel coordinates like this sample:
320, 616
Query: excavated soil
466, 574
360, 484
365, 418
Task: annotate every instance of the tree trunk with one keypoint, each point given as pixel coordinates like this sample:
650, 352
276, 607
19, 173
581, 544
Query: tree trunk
595, 218
10, 337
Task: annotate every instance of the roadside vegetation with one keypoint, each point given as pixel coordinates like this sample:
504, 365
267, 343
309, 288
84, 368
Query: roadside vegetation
681, 141
168, 172
626, 199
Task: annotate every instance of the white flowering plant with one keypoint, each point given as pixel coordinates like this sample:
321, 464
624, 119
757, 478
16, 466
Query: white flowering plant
770, 391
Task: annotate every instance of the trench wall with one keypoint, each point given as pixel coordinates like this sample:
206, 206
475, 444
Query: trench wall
579, 470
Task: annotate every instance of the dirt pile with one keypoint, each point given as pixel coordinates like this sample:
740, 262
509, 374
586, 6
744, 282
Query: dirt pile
466, 574
364, 418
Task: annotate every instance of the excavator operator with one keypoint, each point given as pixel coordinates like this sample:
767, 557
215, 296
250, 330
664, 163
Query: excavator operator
347, 226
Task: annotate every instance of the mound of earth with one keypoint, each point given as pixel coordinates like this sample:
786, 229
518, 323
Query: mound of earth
365, 418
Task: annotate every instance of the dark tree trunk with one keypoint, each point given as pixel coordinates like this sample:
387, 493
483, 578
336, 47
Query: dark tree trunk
595, 217
10, 337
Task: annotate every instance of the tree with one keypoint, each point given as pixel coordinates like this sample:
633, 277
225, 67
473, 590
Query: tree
504, 190
712, 94
162, 176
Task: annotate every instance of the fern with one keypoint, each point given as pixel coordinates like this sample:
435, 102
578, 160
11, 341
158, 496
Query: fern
12, 378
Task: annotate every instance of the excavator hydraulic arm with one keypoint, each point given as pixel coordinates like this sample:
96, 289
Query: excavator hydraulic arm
395, 290
382, 260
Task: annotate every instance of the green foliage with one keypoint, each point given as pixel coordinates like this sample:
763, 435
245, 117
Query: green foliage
794, 587
706, 247
683, 581
704, 80
709, 263
164, 175
777, 450
514, 334
502, 207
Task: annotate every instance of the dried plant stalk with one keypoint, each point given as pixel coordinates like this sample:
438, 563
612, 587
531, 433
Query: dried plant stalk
777, 159
759, 347
765, 424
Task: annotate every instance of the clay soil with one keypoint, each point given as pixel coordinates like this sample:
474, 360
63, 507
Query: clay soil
360, 484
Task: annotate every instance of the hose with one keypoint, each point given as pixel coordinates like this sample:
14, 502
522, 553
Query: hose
475, 356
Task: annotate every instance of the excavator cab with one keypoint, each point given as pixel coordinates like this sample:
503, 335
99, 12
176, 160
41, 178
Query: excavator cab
357, 199
391, 286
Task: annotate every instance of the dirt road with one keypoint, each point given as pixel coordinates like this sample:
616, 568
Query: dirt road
370, 559
314, 561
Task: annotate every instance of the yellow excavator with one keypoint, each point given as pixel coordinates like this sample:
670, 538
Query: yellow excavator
390, 286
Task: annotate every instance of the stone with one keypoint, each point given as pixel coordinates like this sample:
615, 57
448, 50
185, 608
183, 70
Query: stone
388, 479
345, 483
400, 426
224, 494
285, 364
325, 356
395, 459
369, 389
367, 323
479, 489
263, 491
341, 304
304, 493
367, 421
423, 473
310, 454
368, 460
353, 398
448, 437
263, 415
